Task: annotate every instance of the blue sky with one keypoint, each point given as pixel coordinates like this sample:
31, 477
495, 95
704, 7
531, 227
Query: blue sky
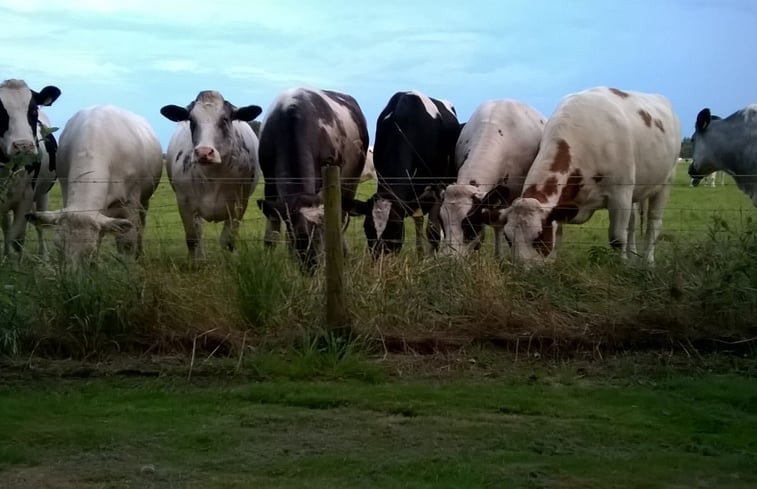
143, 54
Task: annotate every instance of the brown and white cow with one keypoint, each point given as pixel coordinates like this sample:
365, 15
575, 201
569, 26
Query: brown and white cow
27, 158
212, 163
304, 130
494, 153
602, 148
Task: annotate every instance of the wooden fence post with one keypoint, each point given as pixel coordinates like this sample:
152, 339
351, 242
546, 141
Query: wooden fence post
336, 307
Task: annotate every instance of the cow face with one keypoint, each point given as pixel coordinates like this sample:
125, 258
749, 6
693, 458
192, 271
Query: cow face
704, 161
78, 235
210, 123
19, 117
465, 210
304, 223
528, 229
462, 223
384, 224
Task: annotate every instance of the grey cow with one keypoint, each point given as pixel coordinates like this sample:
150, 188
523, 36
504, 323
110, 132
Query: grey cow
729, 145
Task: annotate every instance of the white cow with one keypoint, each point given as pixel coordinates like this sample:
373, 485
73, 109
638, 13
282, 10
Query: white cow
602, 148
212, 162
109, 164
27, 158
494, 153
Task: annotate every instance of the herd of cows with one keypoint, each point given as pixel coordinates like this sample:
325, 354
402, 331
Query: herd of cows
508, 167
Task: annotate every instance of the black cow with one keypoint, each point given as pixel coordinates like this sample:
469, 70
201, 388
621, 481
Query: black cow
304, 130
728, 145
414, 148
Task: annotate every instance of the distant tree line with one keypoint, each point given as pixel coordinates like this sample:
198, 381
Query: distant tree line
687, 148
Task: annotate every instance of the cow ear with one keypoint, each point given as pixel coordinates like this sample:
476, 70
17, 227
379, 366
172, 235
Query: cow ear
360, 207
563, 213
431, 197
270, 208
495, 216
175, 113
115, 226
44, 218
47, 95
247, 114
499, 196
703, 120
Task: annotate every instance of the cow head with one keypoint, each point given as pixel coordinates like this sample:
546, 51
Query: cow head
210, 123
384, 223
465, 210
78, 234
19, 117
530, 229
704, 161
303, 216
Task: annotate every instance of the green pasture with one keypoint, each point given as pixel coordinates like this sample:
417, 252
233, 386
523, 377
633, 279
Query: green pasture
489, 425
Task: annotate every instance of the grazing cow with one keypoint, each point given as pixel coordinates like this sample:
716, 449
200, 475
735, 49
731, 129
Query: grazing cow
494, 153
414, 148
212, 163
304, 130
109, 164
602, 148
27, 158
712, 180
729, 145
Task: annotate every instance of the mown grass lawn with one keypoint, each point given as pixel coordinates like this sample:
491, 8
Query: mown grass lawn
531, 427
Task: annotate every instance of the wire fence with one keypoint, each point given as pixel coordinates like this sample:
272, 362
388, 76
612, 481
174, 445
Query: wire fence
689, 214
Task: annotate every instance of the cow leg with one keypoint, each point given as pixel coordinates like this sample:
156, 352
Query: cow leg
631, 233
418, 222
141, 231
272, 231
230, 230
41, 204
621, 209
5, 224
16, 231
192, 232
229, 234
654, 222
499, 233
128, 242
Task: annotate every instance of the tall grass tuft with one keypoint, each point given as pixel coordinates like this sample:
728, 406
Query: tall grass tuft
268, 284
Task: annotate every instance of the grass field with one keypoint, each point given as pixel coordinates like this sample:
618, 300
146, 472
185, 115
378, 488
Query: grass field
617, 424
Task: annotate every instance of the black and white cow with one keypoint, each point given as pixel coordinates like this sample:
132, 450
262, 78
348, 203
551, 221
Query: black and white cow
729, 145
212, 163
109, 164
27, 158
414, 149
494, 153
304, 130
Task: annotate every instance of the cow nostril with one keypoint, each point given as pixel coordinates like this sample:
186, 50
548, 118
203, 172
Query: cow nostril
22, 147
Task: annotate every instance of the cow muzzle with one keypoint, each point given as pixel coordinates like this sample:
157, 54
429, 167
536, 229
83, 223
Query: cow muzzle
207, 155
23, 146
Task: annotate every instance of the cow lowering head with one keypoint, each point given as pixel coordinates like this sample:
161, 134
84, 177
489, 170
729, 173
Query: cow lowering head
78, 234
303, 216
465, 210
704, 161
19, 117
530, 229
210, 123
